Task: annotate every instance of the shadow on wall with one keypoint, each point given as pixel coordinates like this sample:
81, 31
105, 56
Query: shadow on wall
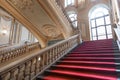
53, 42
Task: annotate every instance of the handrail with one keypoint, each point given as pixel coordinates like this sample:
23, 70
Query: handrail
12, 52
117, 33
64, 11
32, 65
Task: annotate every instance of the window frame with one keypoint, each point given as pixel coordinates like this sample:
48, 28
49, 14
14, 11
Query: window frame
96, 26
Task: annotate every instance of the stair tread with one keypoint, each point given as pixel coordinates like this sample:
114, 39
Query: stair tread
92, 54
92, 60
81, 74
88, 62
77, 57
53, 77
86, 67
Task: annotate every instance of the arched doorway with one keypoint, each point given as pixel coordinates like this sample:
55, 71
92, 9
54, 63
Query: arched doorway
100, 23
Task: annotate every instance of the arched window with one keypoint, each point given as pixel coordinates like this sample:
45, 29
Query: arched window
73, 18
100, 24
69, 2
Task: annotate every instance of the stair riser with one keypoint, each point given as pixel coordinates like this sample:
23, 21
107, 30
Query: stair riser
95, 52
87, 64
73, 77
95, 48
92, 60
90, 55
85, 70
102, 60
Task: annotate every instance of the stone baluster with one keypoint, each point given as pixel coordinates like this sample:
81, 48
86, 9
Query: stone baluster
32, 73
28, 68
8, 54
21, 72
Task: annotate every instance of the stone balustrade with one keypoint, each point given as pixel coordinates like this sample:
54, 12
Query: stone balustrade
15, 51
32, 65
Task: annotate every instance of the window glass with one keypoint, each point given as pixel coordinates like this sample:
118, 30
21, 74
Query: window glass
94, 38
107, 18
74, 23
102, 37
73, 18
101, 30
93, 23
99, 14
110, 36
100, 21
100, 24
109, 30
69, 2
94, 32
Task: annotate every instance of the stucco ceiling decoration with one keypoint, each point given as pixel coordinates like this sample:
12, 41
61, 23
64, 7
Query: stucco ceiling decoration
22, 4
32, 11
50, 31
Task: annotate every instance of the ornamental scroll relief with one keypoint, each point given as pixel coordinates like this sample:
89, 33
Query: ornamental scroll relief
21, 4
50, 31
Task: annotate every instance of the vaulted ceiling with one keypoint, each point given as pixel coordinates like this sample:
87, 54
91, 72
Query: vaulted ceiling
40, 17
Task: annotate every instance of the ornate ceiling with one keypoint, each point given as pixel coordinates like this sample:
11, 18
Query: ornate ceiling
32, 11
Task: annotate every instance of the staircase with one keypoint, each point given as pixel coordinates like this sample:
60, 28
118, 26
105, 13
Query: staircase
92, 60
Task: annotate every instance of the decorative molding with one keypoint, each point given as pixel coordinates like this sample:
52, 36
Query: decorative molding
50, 31
22, 4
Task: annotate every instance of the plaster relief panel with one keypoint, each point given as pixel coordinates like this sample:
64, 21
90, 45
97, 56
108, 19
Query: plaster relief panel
32, 11
50, 31
23, 4
5, 27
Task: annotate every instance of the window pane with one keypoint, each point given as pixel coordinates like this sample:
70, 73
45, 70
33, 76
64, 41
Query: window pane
100, 21
93, 23
102, 37
101, 30
109, 30
94, 32
110, 36
94, 38
69, 2
72, 18
107, 19
99, 14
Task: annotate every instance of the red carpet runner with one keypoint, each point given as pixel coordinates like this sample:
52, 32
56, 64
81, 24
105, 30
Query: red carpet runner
92, 60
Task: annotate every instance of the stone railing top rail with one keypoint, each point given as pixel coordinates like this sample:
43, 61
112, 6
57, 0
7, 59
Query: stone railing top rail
28, 58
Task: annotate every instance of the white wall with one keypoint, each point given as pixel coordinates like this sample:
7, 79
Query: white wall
5, 25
